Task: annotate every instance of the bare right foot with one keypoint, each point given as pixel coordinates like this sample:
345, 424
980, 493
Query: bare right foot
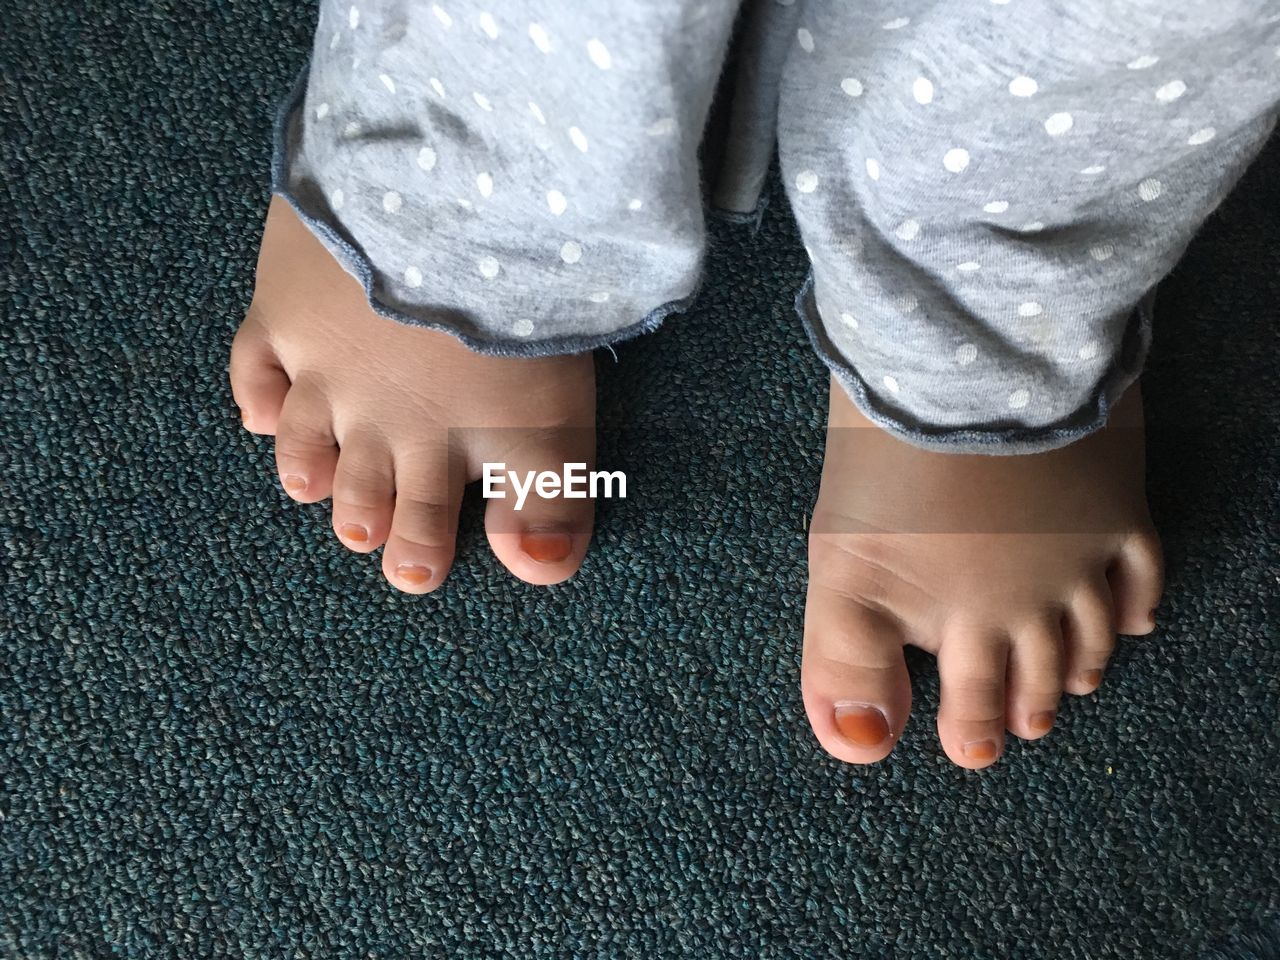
364, 410
1016, 571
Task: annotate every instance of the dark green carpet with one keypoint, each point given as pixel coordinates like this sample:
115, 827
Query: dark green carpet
223, 735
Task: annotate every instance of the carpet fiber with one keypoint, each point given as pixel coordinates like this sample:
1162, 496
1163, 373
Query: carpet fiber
221, 734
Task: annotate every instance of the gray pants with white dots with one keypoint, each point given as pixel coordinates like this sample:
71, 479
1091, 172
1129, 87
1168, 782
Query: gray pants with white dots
988, 191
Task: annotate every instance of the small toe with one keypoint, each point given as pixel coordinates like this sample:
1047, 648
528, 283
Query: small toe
306, 452
1088, 638
543, 542
258, 382
971, 713
1136, 577
857, 692
1033, 680
420, 548
363, 494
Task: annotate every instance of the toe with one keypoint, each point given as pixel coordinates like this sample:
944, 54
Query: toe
1088, 638
420, 547
545, 540
258, 382
1034, 680
971, 712
1136, 576
363, 494
306, 452
857, 693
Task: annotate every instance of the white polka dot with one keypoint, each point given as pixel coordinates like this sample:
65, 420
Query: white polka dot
805, 39
392, 202
352, 129
663, 127
355, 63
1035, 226
1058, 124
908, 229
1019, 399
599, 54
968, 266
482, 101
489, 25
387, 82
556, 202
996, 206
522, 328
538, 34
334, 41
1030, 309
571, 251
353, 17
322, 111
635, 204
849, 320
1150, 189
956, 160
537, 112
806, 181
966, 353
1023, 87
907, 303
464, 203
890, 383
851, 86
427, 158
484, 183
896, 24
1093, 171
412, 277
873, 169
1202, 136
1171, 91
1102, 251
488, 267
1088, 351
442, 15
600, 296
579, 138
922, 90
337, 199
437, 86
1143, 62
1000, 3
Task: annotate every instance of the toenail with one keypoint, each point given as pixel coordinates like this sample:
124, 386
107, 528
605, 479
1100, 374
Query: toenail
983, 751
862, 724
546, 547
1091, 677
244, 418
413, 574
354, 532
294, 483
1042, 720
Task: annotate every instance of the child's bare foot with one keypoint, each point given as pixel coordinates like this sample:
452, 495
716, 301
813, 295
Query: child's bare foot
1016, 571
362, 408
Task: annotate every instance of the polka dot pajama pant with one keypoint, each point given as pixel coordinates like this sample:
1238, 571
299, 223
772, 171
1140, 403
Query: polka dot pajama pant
988, 190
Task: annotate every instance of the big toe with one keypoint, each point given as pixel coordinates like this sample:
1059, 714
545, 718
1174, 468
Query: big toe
857, 693
543, 539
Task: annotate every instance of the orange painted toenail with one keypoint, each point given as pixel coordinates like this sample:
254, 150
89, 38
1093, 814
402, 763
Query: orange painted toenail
354, 532
982, 751
1092, 677
861, 724
294, 483
244, 418
546, 547
412, 574
1042, 720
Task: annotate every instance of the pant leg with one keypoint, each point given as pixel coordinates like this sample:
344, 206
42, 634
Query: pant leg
520, 173
990, 190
